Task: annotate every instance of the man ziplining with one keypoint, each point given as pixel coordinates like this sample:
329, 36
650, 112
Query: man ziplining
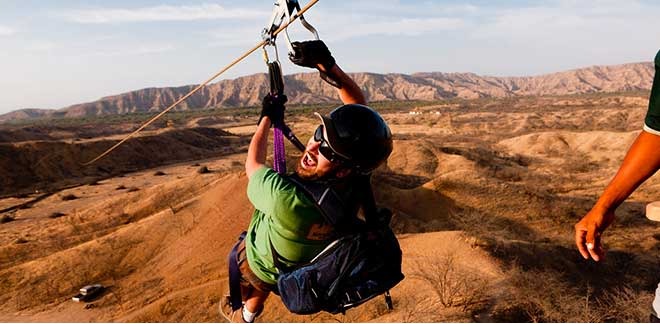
306, 241
640, 163
288, 228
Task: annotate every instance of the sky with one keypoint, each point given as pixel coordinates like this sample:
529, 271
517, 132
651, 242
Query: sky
58, 53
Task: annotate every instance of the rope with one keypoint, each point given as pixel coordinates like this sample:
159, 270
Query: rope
223, 70
279, 154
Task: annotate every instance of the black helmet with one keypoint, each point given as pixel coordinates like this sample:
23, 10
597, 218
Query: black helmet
359, 135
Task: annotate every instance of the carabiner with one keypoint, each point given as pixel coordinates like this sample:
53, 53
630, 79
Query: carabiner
283, 10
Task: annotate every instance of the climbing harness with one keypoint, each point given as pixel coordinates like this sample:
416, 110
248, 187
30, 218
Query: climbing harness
272, 32
235, 275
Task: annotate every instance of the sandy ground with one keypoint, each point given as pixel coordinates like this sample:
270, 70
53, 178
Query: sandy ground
484, 194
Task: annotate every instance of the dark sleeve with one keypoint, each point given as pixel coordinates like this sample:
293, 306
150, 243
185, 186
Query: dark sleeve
652, 120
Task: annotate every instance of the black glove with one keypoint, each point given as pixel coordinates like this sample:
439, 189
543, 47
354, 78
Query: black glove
273, 107
311, 53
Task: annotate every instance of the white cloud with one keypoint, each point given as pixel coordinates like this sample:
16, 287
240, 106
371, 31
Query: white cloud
354, 28
529, 24
7, 31
137, 50
562, 34
159, 13
404, 8
236, 36
41, 46
567, 19
415, 26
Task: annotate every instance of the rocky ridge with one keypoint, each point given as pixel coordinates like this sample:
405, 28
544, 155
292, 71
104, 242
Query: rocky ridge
308, 88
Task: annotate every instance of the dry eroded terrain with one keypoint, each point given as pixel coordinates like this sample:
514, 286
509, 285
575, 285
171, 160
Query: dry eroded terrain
485, 193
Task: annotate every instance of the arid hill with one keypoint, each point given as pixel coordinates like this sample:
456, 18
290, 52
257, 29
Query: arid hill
308, 88
484, 193
43, 165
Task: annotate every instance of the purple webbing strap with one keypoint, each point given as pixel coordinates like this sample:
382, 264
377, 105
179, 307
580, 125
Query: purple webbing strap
279, 156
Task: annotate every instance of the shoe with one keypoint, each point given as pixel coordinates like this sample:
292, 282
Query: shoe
230, 315
653, 318
234, 316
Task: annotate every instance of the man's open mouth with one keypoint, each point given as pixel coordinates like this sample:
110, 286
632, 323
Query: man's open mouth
308, 161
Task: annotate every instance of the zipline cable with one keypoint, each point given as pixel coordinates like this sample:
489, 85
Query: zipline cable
223, 70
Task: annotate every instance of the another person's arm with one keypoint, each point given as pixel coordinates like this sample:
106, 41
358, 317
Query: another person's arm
641, 162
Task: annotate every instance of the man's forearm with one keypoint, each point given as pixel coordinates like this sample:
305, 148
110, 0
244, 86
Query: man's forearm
349, 91
256, 156
641, 162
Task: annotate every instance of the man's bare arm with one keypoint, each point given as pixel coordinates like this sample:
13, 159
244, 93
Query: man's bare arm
349, 91
258, 149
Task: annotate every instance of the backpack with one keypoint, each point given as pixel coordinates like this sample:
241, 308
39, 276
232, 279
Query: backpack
361, 264
350, 271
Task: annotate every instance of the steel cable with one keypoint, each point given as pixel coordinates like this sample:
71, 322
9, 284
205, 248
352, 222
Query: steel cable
201, 85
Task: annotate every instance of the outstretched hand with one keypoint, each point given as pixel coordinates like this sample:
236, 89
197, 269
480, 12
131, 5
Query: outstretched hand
588, 232
273, 107
312, 53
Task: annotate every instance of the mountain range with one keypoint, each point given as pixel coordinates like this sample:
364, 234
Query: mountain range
306, 88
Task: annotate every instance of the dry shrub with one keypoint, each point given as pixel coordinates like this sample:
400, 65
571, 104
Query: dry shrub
574, 164
543, 296
453, 285
540, 296
69, 197
56, 215
412, 308
203, 170
509, 174
75, 222
21, 240
7, 219
625, 305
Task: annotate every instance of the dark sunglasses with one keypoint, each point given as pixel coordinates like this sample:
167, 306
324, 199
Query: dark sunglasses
325, 148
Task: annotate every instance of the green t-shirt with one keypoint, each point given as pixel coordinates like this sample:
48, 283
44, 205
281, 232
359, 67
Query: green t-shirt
652, 120
285, 216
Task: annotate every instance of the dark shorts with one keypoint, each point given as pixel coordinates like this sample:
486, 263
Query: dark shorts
652, 120
248, 278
